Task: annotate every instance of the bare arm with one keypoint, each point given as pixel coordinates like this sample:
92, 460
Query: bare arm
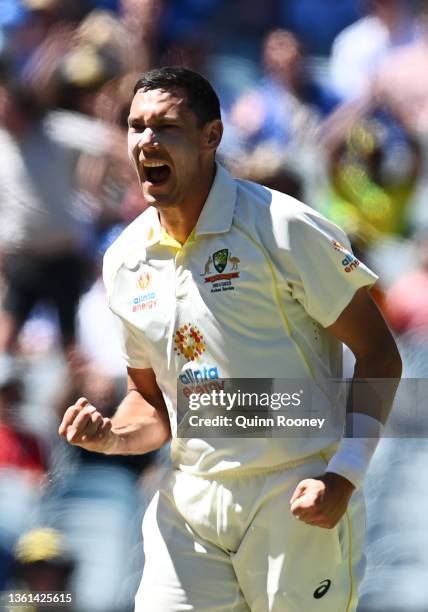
323, 500
378, 364
140, 424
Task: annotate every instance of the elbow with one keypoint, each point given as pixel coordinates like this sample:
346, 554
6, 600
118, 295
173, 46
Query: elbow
164, 433
393, 361
398, 365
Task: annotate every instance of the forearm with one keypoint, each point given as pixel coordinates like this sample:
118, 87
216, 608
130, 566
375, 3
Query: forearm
377, 372
138, 426
369, 403
374, 385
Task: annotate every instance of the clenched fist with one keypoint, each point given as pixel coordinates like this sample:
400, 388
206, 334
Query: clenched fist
82, 425
321, 501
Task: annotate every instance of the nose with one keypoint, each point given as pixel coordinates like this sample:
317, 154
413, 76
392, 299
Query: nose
148, 138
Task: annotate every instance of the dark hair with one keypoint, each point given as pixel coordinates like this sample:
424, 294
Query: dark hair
201, 97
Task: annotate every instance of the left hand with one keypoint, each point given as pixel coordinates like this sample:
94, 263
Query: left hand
321, 501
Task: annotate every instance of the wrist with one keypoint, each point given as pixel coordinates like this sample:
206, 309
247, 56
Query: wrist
337, 480
352, 458
111, 445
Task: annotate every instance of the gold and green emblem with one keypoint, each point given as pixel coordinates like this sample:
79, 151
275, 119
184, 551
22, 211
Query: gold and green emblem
220, 259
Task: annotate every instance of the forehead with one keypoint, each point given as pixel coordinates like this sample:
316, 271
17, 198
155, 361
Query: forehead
156, 102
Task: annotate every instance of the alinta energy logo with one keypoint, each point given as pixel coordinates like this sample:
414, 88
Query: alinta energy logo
350, 262
222, 281
146, 300
189, 342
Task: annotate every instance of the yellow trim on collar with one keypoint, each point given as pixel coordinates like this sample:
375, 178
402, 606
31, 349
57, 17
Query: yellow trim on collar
167, 240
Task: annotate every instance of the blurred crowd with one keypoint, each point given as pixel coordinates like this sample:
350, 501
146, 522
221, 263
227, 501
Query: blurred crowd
326, 100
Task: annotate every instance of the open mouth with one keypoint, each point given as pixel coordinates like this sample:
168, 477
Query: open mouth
157, 173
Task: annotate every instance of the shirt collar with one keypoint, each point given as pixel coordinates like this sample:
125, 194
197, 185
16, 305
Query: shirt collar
216, 216
155, 231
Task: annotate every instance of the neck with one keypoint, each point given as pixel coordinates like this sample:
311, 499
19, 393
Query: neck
179, 221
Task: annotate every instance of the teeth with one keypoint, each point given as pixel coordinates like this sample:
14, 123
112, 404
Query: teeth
153, 164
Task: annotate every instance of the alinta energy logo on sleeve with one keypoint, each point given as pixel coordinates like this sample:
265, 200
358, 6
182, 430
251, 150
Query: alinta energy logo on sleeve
147, 299
350, 262
221, 261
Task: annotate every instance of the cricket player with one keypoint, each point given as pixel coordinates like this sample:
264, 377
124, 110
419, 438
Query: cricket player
220, 279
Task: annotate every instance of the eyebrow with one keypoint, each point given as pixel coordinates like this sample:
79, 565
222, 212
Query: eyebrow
161, 119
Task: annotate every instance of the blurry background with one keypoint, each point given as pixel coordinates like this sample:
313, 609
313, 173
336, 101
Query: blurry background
324, 99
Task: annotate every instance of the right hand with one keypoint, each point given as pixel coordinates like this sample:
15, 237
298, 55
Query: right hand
82, 425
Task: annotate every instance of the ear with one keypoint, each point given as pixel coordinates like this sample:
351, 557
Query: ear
213, 132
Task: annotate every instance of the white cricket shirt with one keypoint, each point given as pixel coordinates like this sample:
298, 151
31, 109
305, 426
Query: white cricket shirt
247, 296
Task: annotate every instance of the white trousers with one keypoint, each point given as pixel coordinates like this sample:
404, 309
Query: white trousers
231, 544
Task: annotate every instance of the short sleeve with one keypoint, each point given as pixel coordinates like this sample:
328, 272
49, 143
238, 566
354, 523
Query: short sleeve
327, 272
134, 351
